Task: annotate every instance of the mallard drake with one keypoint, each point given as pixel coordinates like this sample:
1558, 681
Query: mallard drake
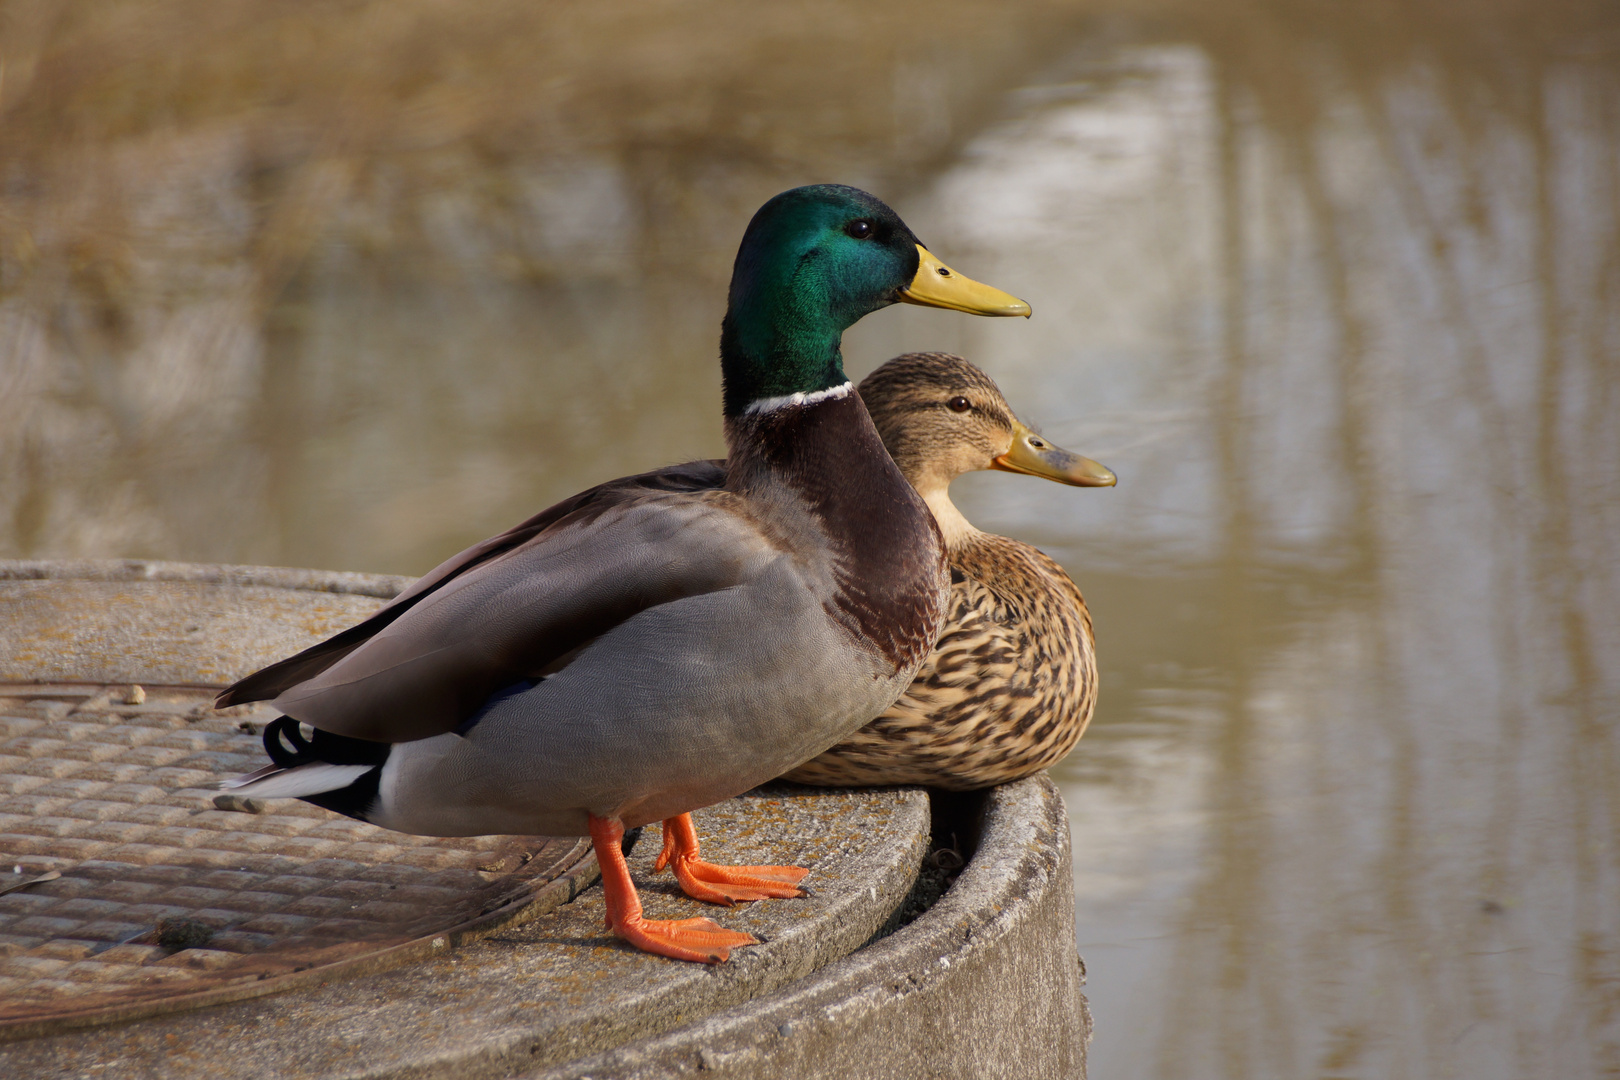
1012, 682
664, 641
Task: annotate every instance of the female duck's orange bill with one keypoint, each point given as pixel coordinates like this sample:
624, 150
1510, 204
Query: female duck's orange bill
1035, 456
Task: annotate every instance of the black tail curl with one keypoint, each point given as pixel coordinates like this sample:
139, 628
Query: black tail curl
287, 747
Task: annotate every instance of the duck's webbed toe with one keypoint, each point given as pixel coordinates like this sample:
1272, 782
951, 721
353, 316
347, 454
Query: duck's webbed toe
700, 940
722, 884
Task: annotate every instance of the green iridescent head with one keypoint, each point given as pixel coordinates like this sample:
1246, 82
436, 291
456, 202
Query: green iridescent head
814, 261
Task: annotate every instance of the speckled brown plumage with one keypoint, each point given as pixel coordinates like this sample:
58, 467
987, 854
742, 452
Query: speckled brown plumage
1012, 681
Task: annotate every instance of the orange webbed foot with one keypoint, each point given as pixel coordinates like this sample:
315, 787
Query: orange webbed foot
698, 940
701, 940
722, 884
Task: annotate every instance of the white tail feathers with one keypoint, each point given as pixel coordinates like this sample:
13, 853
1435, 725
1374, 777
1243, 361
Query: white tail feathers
274, 782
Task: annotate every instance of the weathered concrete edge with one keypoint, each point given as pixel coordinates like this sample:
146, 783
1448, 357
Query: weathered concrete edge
785, 957
383, 586
987, 983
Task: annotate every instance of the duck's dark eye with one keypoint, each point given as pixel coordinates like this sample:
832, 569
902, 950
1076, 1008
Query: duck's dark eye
860, 229
959, 404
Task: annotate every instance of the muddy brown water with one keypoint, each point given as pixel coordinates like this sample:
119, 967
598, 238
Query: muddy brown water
1337, 294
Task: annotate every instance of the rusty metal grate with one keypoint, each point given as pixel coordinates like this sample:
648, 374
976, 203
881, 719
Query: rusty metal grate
165, 901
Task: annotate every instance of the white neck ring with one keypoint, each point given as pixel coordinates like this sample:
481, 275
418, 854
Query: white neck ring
814, 397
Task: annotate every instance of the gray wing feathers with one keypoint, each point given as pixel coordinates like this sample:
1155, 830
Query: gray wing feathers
730, 689
437, 663
269, 682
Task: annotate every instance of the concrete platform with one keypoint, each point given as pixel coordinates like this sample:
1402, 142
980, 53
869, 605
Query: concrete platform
983, 983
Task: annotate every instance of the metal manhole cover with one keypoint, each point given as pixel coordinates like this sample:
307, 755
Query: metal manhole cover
166, 902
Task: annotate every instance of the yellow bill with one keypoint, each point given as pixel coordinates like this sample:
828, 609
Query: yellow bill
1034, 456
937, 285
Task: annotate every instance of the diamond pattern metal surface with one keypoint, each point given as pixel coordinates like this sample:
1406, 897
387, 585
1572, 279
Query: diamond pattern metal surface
164, 900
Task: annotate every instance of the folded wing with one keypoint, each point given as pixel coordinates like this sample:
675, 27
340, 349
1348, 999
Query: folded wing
514, 605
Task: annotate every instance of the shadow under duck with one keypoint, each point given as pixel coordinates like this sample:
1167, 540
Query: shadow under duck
1011, 685
661, 642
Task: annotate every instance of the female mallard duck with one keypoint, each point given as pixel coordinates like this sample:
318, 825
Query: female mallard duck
660, 642
1011, 685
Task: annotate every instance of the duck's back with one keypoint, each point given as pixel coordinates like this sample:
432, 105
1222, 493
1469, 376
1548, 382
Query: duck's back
1007, 691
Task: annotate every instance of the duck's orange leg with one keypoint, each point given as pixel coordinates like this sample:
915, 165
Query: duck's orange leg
721, 884
681, 939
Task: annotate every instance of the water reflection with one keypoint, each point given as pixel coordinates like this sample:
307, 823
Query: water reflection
1349, 805
1335, 295
349, 286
